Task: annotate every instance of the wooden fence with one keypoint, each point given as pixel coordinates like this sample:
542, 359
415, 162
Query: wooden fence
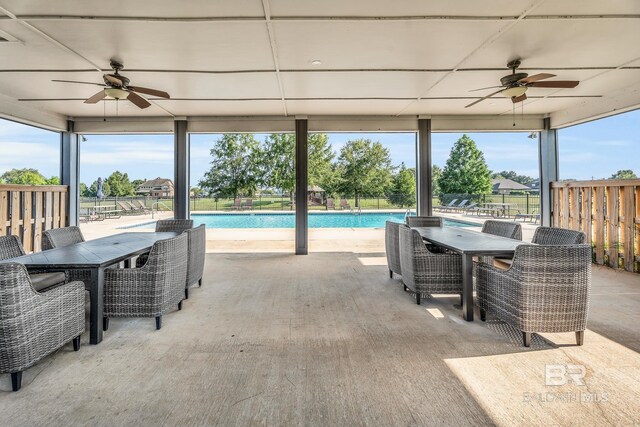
608, 211
27, 210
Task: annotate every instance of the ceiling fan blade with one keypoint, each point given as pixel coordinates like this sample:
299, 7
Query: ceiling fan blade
97, 97
148, 91
139, 101
485, 88
557, 84
536, 77
482, 99
73, 81
520, 98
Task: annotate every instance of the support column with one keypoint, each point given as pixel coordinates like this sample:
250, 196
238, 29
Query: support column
302, 159
548, 159
181, 163
424, 187
70, 171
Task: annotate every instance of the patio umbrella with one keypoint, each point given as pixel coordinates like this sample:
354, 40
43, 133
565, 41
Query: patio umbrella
99, 193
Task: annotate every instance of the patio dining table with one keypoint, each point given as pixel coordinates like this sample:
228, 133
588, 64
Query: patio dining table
94, 256
468, 244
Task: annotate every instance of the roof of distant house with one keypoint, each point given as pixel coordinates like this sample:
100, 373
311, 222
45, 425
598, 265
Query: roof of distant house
157, 182
508, 184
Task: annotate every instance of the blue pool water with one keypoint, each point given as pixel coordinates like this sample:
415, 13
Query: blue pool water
287, 220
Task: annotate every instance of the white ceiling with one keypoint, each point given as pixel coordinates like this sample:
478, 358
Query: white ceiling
253, 57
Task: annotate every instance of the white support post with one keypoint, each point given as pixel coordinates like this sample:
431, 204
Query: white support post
70, 171
181, 171
548, 161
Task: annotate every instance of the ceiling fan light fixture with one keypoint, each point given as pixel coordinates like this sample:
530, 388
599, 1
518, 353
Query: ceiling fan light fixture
116, 93
514, 91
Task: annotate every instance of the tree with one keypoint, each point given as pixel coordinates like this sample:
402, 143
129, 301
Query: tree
364, 168
278, 163
436, 173
119, 184
24, 176
402, 191
624, 174
84, 191
235, 167
137, 183
465, 172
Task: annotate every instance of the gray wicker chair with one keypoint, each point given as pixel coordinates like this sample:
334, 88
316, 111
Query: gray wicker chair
151, 290
33, 324
197, 238
164, 226
10, 247
177, 225
545, 290
425, 272
61, 237
424, 221
391, 245
510, 230
558, 236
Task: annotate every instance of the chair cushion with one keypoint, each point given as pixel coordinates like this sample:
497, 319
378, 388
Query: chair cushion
503, 263
42, 281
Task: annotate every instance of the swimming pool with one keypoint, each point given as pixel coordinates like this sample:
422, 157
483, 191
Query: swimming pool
287, 220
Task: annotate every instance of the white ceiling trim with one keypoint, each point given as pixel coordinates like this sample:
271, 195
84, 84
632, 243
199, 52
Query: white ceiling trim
274, 54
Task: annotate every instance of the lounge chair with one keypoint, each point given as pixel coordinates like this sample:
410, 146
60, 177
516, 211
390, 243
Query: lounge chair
470, 208
127, 209
545, 290
142, 206
344, 204
237, 204
35, 324
248, 204
456, 207
331, 204
451, 203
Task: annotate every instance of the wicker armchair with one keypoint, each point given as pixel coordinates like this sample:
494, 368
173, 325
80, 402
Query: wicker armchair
34, 324
10, 247
61, 237
197, 243
425, 272
545, 290
167, 225
151, 290
391, 245
510, 230
424, 221
558, 236
177, 225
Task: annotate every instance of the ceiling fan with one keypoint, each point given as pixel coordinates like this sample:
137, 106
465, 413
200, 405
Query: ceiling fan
117, 87
515, 85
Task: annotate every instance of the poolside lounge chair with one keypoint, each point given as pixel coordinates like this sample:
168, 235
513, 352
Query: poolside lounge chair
331, 204
134, 207
127, 209
470, 208
237, 204
35, 324
142, 206
451, 203
545, 290
248, 204
344, 204
456, 207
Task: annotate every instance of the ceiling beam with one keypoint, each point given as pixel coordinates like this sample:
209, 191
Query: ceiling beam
274, 52
504, 18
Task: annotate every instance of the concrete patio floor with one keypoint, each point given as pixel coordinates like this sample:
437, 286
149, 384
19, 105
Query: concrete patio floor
328, 339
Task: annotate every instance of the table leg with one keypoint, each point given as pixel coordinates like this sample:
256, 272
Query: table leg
96, 292
467, 287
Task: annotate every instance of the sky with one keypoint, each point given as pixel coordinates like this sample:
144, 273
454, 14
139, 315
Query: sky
591, 150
